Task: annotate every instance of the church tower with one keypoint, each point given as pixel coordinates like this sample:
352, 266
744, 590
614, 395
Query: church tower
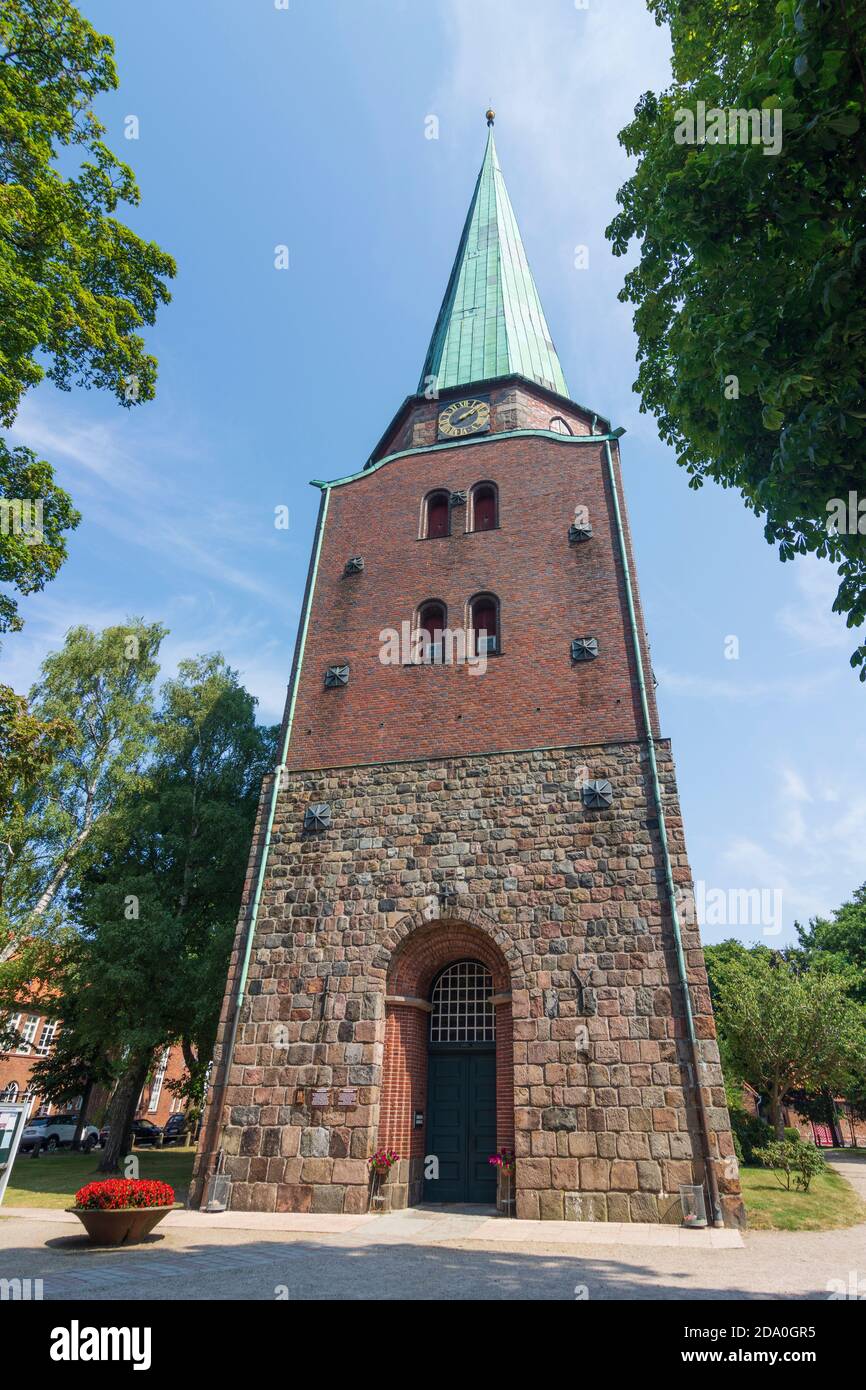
466, 923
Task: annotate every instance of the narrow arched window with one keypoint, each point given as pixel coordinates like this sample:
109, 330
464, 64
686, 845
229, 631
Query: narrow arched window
432, 621
462, 1005
484, 621
437, 515
560, 426
485, 507
11, 1092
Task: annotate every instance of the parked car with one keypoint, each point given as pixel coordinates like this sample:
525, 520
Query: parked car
52, 1132
143, 1132
176, 1130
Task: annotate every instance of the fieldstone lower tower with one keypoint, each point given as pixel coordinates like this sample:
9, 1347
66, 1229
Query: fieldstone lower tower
463, 927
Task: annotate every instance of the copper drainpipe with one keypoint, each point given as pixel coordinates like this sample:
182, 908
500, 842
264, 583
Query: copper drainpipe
697, 1063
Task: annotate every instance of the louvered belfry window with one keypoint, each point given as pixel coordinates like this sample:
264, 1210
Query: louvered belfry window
462, 1008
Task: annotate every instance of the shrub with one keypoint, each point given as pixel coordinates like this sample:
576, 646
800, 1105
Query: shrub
791, 1158
751, 1132
115, 1193
792, 1134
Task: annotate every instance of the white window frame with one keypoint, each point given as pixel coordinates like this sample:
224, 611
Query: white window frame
28, 1034
159, 1078
49, 1033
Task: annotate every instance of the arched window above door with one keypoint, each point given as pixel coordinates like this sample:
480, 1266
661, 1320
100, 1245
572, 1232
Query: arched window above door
462, 1005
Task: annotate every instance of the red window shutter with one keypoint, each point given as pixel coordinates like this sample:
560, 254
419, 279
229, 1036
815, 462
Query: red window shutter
437, 516
484, 618
485, 509
433, 620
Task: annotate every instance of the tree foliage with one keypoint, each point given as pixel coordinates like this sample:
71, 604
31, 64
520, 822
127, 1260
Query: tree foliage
76, 284
30, 553
840, 941
785, 1026
792, 1159
752, 266
159, 906
102, 684
29, 747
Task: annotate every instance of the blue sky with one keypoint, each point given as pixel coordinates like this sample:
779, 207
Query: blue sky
305, 126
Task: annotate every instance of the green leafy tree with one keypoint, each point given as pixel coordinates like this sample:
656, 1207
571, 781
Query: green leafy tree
840, 941
159, 908
76, 1063
102, 683
748, 292
76, 284
32, 545
29, 747
785, 1027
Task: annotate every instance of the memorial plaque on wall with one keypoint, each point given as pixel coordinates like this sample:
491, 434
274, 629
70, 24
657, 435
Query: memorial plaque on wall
347, 1097
320, 1099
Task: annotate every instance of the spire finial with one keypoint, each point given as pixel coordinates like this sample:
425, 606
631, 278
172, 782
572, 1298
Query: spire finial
491, 115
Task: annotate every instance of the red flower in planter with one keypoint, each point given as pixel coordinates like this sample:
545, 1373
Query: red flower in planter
383, 1160
115, 1193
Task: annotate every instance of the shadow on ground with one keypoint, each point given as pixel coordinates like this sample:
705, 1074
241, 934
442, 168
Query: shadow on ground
304, 1270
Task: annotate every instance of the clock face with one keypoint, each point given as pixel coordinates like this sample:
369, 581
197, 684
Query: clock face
464, 417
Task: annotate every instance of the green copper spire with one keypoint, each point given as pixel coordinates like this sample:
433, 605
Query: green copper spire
491, 322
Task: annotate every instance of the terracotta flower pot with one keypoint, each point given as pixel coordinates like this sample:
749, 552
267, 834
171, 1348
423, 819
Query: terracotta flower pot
123, 1226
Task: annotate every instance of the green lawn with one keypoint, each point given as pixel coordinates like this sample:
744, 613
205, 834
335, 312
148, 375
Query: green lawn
831, 1202
54, 1179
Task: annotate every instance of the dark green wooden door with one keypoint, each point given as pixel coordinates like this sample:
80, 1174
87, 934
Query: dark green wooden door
461, 1125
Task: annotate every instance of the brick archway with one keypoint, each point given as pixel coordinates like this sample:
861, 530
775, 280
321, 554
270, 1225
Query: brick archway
421, 949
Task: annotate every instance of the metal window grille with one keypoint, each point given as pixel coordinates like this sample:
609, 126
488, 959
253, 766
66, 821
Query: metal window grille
462, 1011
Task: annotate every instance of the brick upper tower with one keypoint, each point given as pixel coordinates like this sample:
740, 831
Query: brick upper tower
462, 922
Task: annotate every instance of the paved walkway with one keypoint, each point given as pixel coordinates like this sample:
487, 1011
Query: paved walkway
852, 1167
408, 1263
433, 1254
425, 1224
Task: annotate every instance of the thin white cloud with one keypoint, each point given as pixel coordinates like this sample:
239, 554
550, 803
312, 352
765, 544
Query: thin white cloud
198, 624
810, 845
140, 503
742, 689
810, 617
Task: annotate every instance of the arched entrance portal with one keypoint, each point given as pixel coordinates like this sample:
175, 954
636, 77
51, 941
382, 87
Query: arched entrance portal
447, 1098
461, 1086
